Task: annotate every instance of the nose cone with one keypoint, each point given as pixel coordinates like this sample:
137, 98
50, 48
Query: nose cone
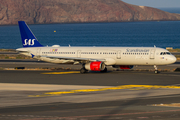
173, 59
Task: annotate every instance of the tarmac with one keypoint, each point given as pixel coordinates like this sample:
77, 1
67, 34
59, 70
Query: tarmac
63, 94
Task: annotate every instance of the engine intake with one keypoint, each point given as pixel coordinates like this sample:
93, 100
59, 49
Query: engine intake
95, 66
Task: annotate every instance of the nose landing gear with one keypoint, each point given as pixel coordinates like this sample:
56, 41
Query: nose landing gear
156, 70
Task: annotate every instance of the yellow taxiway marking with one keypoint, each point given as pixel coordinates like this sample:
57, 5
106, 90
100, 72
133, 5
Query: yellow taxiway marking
70, 72
130, 87
168, 105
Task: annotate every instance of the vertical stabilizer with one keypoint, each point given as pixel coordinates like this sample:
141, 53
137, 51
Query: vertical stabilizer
28, 38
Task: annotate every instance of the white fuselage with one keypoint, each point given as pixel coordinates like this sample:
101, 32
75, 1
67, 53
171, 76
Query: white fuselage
112, 55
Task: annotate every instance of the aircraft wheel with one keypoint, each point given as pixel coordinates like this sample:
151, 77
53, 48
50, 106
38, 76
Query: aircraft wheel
82, 70
156, 71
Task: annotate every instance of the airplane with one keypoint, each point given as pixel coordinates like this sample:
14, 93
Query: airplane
93, 58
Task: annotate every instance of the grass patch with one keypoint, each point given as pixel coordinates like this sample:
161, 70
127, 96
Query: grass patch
7, 50
7, 57
174, 50
177, 56
19, 57
1, 68
3, 56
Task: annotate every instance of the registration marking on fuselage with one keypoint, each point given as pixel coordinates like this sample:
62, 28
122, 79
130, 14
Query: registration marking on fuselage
129, 87
70, 72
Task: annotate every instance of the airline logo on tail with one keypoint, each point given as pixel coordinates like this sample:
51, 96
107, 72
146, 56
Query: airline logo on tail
29, 42
28, 38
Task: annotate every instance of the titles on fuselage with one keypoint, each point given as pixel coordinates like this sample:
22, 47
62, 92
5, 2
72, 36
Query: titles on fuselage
137, 50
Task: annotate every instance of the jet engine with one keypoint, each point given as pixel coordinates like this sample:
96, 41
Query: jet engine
123, 66
95, 66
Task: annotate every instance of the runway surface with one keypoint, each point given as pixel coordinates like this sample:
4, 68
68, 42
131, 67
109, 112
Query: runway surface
69, 95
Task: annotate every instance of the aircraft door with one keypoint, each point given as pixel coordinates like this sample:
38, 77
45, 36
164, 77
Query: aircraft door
118, 54
79, 53
152, 54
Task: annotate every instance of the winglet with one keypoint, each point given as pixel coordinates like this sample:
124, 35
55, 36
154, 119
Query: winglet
28, 38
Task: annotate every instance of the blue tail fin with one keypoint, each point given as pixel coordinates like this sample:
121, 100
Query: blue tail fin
28, 38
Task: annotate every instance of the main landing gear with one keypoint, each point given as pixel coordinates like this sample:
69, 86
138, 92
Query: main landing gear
105, 70
155, 69
83, 70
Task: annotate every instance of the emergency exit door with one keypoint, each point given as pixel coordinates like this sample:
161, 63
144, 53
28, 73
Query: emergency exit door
119, 54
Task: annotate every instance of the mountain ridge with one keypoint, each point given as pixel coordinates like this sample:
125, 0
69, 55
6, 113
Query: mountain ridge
78, 11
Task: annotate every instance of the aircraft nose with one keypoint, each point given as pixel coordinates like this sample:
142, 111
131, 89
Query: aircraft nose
173, 59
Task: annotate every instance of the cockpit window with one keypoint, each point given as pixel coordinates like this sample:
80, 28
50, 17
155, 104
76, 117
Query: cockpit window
168, 53
165, 53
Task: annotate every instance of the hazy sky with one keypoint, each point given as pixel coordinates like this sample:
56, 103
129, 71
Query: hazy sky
155, 3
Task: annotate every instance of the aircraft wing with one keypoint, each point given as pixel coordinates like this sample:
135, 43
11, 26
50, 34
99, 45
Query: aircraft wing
75, 58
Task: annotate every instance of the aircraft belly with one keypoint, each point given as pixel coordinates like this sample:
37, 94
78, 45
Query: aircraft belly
56, 60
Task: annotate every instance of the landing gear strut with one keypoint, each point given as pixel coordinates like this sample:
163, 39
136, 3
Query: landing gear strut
83, 70
155, 69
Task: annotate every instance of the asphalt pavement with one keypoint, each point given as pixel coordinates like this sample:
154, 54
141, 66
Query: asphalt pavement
67, 94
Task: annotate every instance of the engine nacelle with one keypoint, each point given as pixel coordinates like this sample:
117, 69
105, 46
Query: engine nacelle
123, 66
95, 66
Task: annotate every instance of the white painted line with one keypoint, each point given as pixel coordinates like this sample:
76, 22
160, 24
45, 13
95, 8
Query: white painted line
43, 87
